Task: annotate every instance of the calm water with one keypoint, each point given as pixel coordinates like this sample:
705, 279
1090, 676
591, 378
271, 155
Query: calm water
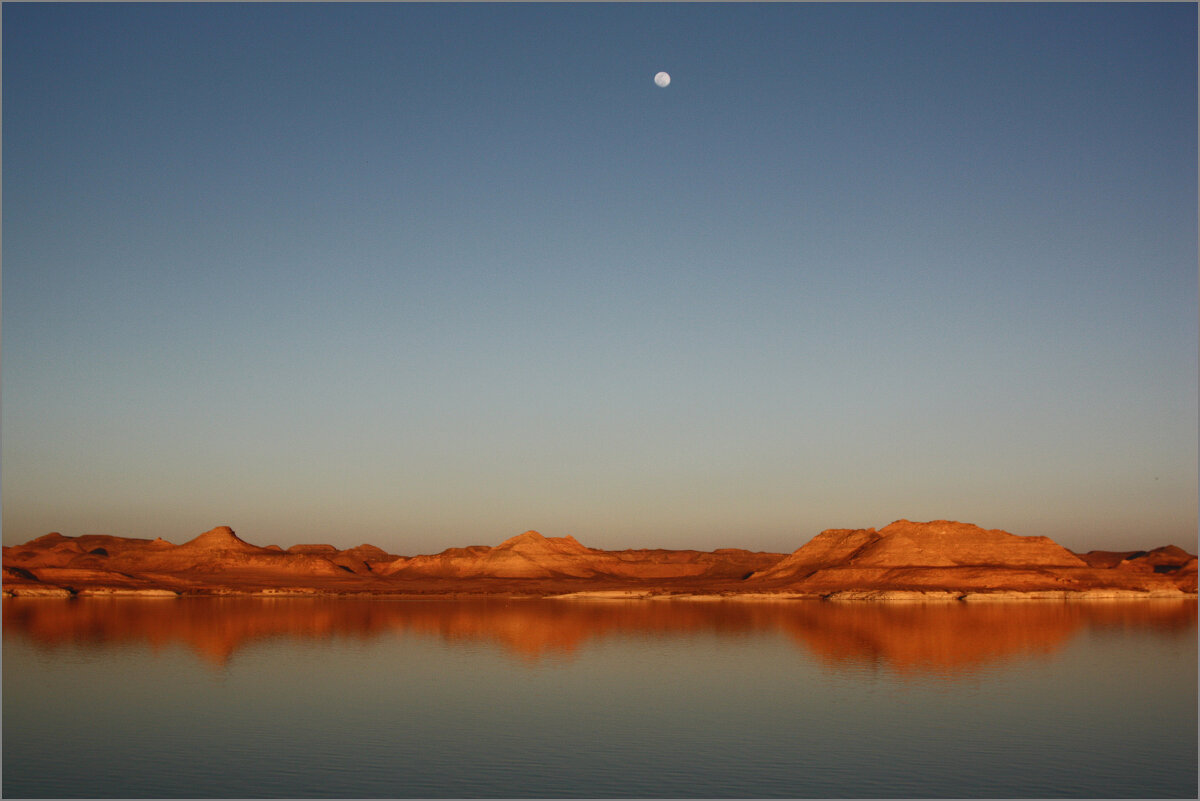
304, 698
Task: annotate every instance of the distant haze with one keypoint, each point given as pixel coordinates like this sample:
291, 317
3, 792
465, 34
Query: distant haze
423, 275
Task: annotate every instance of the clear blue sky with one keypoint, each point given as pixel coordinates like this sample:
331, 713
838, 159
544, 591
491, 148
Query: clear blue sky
432, 275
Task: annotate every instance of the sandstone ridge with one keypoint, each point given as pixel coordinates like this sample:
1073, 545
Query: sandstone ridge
905, 560
532, 555
940, 556
939, 543
220, 538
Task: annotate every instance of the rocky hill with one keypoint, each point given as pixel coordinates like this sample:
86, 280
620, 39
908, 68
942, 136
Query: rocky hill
943, 559
947, 556
531, 555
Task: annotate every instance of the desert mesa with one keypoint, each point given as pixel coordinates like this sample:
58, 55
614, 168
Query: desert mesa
936, 560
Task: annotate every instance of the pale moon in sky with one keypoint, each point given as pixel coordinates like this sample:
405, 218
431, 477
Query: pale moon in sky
662, 79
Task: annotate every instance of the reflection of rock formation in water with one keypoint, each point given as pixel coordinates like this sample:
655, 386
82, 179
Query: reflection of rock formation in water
910, 638
214, 627
945, 638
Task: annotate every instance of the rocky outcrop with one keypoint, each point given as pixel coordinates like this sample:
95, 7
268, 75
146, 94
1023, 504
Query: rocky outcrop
894, 595
221, 539
1107, 559
1169, 560
35, 591
940, 543
106, 563
1185, 577
944, 555
528, 555
221, 550
723, 563
369, 553
323, 550
532, 555
902, 561
355, 560
132, 592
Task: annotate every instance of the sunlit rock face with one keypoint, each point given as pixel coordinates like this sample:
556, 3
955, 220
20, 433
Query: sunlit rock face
944, 555
904, 560
940, 543
127, 564
532, 555
323, 550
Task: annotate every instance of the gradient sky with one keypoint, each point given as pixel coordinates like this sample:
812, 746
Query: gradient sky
432, 275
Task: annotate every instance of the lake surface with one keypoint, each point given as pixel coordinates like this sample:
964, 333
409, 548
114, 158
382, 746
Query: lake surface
358, 698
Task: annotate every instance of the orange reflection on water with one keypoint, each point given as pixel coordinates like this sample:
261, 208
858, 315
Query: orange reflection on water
946, 638
941, 637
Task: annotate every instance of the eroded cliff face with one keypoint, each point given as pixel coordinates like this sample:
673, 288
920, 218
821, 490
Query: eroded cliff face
905, 559
219, 560
944, 555
528, 555
531, 555
940, 543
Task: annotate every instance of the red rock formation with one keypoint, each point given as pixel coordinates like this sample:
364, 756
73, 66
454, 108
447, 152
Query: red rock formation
528, 555
323, 550
1166, 559
369, 553
1185, 578
943, 555
531, 555
126, 563
1169, 560
1108, 558
940, 556
940, 543
356, 560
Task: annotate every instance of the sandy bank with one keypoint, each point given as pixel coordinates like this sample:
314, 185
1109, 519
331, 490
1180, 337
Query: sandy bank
934, 596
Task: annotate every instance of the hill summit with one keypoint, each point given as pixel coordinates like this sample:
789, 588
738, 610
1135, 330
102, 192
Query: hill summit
532, 542
220, 538
905, 560
938, 543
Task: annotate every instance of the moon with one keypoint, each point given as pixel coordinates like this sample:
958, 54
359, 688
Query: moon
662, 79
